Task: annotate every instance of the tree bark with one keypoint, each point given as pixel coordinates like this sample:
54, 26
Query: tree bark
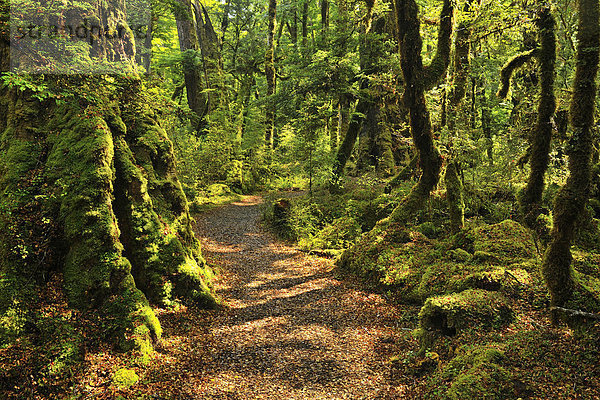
106, 184
542, 135
189, 46
270, 75
462, 50
211, 58
570, 201
416, 80
324, 19
345, 149
304, 23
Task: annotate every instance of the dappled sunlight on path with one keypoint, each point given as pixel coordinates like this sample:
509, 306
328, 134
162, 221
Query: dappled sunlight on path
289, 329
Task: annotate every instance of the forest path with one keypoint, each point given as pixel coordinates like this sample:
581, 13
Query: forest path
290, 329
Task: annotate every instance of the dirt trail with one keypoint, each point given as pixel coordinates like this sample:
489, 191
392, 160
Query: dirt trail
291, 330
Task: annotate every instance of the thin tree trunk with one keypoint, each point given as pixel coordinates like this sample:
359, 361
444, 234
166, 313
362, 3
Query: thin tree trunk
305, 23
462, 50
345, 149
486, 126
416, 80
293, 26
189, 45
570, 201
343, 116
542, 135
324, 19
270, 75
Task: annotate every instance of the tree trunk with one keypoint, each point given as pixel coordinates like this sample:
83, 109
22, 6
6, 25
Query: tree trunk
105, 180
570, 201
304, 23
345, 149
462, 50
486, 126
293, 26
324, 19
542, 135
416, 80
189, 46
211, 58
343, 116
270, 75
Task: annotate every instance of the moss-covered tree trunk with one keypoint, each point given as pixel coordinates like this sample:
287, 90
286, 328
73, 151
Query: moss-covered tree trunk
104, 175
462, 50
486, 126
324, 19
375, 144
417, 78
212, 62
343, 116
88, 190
345, 149
270, 74
542, 135
570, 201
362, 107
189, 46
304, 23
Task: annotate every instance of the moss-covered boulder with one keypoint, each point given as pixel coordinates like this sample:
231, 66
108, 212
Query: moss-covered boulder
446, 277
507, 241
392, 256
453, 313
478, 374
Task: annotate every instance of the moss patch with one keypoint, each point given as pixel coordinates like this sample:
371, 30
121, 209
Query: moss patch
478, 374
450, 314
125, 378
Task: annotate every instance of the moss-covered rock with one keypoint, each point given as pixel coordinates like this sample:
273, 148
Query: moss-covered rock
453, 313
124, 378
478, 374
508, 241
446, 277
393, 256
459, 255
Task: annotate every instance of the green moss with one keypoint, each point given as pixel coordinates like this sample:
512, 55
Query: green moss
125, 378
454, 196
471, 358
452, 313
509, 240
485, 381
459, 255
485, 257
476, 372
586, 292
102, 172
448, 277
428, 229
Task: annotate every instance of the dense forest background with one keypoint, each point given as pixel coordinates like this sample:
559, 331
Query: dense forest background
444, 152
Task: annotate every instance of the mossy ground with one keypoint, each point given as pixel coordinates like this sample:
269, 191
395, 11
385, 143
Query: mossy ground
484, 300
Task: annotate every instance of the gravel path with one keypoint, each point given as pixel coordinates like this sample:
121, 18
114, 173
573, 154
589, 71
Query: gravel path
290, 330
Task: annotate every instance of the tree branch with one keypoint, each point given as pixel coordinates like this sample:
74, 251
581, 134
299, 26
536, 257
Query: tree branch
507, 70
